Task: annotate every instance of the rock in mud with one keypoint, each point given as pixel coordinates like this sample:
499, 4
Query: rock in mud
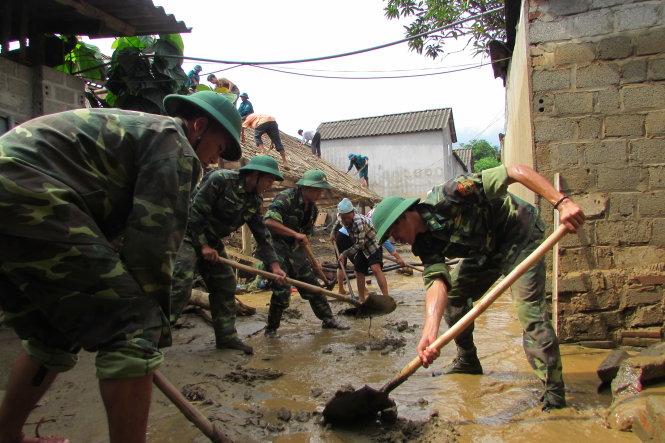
248, 376
284, 414
194, 393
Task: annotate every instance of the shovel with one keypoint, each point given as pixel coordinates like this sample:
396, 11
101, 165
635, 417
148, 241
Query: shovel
346, 275
393, 259
171, 392
315, 265
373, 306
366, 402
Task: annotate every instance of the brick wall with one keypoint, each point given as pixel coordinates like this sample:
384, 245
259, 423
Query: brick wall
598, 115
28, 92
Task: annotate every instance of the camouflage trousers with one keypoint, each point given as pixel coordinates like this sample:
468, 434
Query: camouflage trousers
294, 261
220, 281
473, 277
61, 297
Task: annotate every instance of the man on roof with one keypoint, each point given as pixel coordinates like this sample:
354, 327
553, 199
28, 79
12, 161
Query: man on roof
264, 124
95, 203
290, 219
475, 218
225, 201
361, 163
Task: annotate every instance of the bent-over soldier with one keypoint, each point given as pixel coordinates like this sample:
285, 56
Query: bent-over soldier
475, 218
70, 184
290, 219
225, 201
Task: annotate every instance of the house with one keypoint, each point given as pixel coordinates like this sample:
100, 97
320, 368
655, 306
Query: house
30, 88
585, 101
408, 153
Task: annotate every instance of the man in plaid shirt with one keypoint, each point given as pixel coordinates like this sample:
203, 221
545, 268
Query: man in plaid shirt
366, 251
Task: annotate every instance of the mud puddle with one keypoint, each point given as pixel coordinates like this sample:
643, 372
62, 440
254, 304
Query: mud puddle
276, 395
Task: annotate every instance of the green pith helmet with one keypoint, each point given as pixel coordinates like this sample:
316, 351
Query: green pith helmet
264, 163
218, 108
314, 178
387, 212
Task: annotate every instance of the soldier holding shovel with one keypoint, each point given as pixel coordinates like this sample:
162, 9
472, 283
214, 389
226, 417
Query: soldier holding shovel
226, 201
290, 219
475, 218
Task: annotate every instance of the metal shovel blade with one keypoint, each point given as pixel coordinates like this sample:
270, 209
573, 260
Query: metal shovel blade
363, 403
373, 306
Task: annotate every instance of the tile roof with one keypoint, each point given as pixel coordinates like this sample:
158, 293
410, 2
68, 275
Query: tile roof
466, 157
407, 122
93, 18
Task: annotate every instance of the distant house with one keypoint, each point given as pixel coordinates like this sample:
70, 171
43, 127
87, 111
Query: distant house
466, 156
408, 153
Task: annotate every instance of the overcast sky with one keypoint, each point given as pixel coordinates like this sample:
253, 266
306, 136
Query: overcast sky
269, 30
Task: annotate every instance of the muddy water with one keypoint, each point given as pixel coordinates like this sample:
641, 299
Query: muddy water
500, 406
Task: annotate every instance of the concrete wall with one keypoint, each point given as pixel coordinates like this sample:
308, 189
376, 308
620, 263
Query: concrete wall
598, 103
28, 92
402, 164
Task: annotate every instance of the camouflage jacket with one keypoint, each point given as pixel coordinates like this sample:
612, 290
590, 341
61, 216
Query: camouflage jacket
288, 208
472, 216
221, 206
131, 172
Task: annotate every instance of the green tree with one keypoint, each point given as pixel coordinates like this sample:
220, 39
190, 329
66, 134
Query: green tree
431, 14
484, 155
485, 163
142, 71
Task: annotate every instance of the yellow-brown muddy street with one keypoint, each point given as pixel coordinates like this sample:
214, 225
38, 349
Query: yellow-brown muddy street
246, 397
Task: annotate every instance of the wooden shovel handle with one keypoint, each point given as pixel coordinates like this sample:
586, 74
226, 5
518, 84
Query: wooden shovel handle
194, 415
290, 281
394, 260
346, 275
480, 307
315, 265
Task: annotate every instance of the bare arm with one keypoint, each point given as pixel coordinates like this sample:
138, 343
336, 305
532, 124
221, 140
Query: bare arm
436, 299
570, 214
278, 228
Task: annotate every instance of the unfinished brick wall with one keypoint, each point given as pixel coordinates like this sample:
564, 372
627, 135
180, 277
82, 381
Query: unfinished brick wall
598, 113
28, 92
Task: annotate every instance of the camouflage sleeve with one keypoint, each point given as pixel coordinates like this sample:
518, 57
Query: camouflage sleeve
202, 206
156, 224
278, 207
436, 271
264, 249
309, 229
495, 182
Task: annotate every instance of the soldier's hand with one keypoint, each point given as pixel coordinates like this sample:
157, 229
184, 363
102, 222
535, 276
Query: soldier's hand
302, 239
276, 269
571, 215
209, 253
426, 353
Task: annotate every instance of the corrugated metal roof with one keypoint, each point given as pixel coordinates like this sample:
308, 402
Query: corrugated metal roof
466, 156
93, 18
407, 122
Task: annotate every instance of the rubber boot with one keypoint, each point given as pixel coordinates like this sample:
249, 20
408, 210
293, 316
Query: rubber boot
332, 323
274, 319
554, 397
235, 343
464, 364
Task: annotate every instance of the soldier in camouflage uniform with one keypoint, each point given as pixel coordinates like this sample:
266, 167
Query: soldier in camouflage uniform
225, 201
71, 184
290, 219
475, 218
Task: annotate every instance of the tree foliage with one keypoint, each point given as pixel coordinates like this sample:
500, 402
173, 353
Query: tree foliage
485, 163
142, 71
427, 15
484, 155
142, 74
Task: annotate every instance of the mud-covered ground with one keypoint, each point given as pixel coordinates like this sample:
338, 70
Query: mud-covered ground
277, 394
